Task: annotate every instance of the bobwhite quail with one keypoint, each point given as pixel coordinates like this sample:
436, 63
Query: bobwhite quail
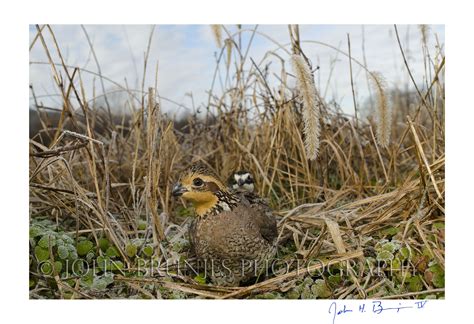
234, 233
241, 180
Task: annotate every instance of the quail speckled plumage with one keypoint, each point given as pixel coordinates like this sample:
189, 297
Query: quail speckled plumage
234, 233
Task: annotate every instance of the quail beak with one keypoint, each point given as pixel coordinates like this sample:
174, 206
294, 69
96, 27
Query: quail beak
240, 182
178, 190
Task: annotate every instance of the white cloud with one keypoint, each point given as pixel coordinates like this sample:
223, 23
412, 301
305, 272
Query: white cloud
186, 57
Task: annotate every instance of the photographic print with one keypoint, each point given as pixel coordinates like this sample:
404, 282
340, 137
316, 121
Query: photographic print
237, 162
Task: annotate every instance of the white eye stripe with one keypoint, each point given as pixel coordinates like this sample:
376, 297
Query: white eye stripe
244, 177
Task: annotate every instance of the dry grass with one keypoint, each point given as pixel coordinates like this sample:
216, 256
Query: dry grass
383, 116
102, 177
311, 106
217, 32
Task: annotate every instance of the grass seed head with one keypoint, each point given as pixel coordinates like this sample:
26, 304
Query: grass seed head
308, 93
383, 113
217, 32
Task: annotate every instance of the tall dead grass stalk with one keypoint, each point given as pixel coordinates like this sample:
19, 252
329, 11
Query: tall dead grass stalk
217, 32
383, 114
311, 112
228, 46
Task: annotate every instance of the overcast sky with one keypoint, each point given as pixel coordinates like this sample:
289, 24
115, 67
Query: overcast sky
186, 56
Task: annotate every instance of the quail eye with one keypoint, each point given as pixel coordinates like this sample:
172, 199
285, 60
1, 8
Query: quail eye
249, 180
198, 182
